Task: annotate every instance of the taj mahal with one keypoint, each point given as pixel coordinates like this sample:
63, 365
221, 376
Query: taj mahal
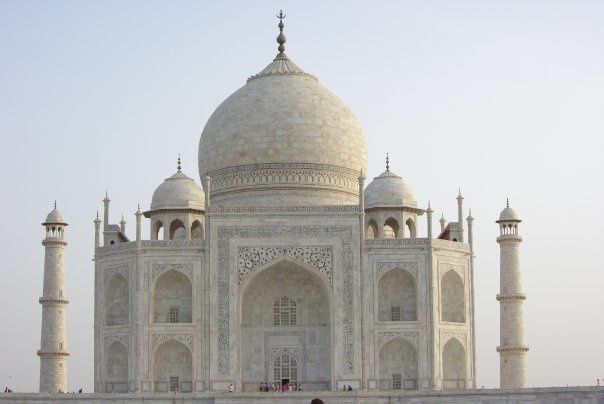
284, 265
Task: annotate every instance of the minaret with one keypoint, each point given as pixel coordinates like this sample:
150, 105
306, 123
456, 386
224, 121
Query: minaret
138, 215
512, 348
97, 230
429, 220
442, 222
53, 348
106, 201
460, 215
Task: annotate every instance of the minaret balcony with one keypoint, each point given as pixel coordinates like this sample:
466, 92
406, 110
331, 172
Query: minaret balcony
53, 354
53, 301
511, 297
513, 349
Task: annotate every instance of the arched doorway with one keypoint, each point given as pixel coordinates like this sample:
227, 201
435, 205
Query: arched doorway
454, 365
173, 367
172, 298
116, 301
286, 327
452, 295
116, 368
397, 296
398, 366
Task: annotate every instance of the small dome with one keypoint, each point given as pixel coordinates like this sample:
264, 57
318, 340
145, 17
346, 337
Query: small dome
55, 217
178, 192
388, 190
508, 215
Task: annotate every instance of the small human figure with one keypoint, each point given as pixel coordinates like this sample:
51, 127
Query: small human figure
80, 390
349, 387
344, 388
317, 401
231, 388
6, 389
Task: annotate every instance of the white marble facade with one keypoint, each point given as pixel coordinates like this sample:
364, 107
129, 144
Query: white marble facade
283, 267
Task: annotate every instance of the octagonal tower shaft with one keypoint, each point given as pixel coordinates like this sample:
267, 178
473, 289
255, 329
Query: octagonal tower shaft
53, 346
512, 346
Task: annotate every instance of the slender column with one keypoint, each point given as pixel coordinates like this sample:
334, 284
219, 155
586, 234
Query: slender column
460, 215
97, 231
139, 216
123, 225
53, 346
429, 220
512, 347
106, 201
364, 326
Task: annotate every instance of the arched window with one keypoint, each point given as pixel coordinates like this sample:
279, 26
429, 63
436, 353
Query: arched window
397, 296
177, 230
398, 366
454, 365
391, 229
372, 229
452, 295
158, 230
116, 368
173, 367
196, 230
116, 301
173, 298
285, 369
284, 311
411, 227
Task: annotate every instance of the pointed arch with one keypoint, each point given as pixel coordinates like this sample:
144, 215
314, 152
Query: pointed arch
117, 301
391, 228
397, 296
410, 223
158, 230
173, 298
177, 230
398, 365
196, 230
454, 365
452, 298
372, 229
173, 367
303, 293
116, 368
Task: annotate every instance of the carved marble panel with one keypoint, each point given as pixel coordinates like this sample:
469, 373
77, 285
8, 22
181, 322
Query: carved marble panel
109, 272
319, 258
158, 269
383, 337
158, 339
383, 267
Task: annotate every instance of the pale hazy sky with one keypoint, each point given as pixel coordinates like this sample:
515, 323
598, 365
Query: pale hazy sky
500, 98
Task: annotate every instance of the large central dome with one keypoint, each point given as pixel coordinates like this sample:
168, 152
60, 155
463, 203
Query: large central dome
282, 139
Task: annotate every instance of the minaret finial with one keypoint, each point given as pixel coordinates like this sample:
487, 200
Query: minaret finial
281, 38
97, 214
178, 165
507, 202
387, 162
55, 203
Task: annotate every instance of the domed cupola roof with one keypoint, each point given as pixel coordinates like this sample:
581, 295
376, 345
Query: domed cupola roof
283, 133
508, 214
55, 217
178, 192
389, 190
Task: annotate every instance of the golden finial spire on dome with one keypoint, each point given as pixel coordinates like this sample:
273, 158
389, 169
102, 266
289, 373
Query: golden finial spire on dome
178, 164
281, 38
387, 162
